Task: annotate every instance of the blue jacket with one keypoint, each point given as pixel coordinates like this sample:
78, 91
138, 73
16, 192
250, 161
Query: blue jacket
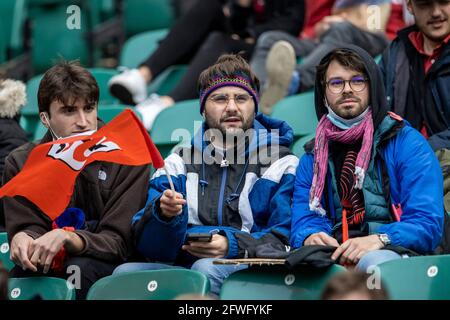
415, 184
249, 203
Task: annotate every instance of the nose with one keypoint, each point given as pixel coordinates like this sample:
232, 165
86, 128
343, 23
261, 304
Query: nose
435, 9
231, 105
347, 87
82, 120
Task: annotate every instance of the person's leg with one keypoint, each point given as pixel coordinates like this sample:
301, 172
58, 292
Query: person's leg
83, 272
215, 272
280, 64
141, 266
187, 35
215, 45
376, 257
179, 46
264, 45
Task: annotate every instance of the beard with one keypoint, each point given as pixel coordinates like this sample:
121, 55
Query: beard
348, 113
221, 124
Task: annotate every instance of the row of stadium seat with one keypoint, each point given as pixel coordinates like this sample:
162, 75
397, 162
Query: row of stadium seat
415, 278
41, 28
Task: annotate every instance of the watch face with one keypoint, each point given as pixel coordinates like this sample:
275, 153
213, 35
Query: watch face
385, 239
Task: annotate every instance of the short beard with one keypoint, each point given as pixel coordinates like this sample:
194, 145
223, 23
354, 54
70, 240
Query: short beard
217, 124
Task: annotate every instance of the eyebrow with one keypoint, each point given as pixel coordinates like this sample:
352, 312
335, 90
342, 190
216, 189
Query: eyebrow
353, 76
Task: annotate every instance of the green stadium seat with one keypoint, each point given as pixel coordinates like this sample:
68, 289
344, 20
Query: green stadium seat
47, 288
166, 81
32, 87
298, 149
102, 76
4, 251
109, 112
277, 283
174, 124
145, 15
139, 47
52, 39
149, 285
299, 112
417, 278
41, 130
14, 14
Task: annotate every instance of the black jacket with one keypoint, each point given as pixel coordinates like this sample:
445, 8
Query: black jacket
11, 136
283, 15
419, 98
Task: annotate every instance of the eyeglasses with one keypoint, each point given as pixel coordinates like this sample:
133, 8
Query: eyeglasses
337, 85
223, 99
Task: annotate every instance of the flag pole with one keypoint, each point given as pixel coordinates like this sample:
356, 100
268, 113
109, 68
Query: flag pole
170, 182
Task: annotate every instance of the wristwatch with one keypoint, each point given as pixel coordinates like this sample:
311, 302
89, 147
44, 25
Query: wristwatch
384, 238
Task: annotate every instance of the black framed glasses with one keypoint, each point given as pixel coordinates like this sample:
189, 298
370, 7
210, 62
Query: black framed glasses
337, 85
223, 99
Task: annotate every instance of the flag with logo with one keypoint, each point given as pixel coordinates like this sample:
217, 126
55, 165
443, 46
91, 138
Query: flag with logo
48, 176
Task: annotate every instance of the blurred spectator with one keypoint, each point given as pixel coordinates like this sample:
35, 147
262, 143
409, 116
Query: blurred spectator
415, 69
200, 36
3, 282
349, 22
353, 285
416, 77
12, 98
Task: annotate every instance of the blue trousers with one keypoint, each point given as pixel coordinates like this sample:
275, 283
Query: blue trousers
376, 257
216, 273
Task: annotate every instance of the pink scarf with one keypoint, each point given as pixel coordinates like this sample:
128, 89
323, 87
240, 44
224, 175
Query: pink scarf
327, 131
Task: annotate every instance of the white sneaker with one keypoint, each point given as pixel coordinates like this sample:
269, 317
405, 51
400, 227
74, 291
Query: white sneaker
280, 64
129, 87
149, 109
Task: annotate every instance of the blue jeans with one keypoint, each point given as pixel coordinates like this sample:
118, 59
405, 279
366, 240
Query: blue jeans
376, 257
216, 273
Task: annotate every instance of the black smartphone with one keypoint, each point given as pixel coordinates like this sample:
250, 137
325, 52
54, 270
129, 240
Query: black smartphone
201, 237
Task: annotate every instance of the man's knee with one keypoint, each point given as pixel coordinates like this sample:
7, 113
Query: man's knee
340, 31
268, 39
376, 257
215, 38
205, 266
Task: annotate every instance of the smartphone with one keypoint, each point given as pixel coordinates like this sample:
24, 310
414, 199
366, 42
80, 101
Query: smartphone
201, 237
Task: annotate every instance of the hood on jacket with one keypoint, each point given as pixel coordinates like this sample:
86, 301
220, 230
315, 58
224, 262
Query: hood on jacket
12, 98
377, 101
264, 127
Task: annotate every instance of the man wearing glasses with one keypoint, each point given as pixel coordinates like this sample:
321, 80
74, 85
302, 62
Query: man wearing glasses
233, 184
369, 185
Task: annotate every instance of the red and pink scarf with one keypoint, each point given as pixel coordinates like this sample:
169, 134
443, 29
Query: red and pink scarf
326, 132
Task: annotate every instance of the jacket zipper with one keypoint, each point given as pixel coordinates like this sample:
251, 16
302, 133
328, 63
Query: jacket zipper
221, 195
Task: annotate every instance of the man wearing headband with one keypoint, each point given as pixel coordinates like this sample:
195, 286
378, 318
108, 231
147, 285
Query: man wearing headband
370, 186
235, 182
105, 196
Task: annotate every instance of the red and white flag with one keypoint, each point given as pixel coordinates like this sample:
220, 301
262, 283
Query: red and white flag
48, 176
